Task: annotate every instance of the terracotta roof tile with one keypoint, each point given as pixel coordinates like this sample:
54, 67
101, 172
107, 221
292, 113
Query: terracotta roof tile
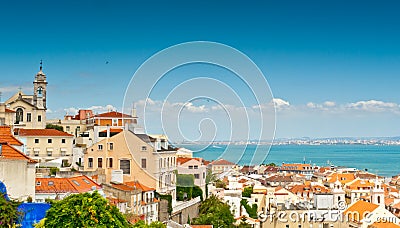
113, 114
113, 130
221, 162
77, 184
307, 188
357, 183
181, 160
342, 177
139, 186
358, 210
9, 152
6, 136
43, 132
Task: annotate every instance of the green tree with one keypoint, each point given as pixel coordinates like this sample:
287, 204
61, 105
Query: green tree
214, 212
251, 210
8, 212
220, 184
247, 191
197, 192
271, 164
84, 210
53, 126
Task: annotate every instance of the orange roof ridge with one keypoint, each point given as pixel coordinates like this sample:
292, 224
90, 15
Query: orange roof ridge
7, 136
9, 152
43, 132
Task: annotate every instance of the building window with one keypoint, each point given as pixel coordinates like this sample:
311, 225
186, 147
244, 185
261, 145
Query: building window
78, 128
144, 148
36, 140
20, 115
67, 128
100, 147
196, 176
36, 152
99, 162
39, 118
111, 145
125, 165
196, 167
49, 153
110, 163
62, 140
50, 183
115, 122
28, 117
190, 167
144, 163
90, 162
204, 175
38, 183
49, 140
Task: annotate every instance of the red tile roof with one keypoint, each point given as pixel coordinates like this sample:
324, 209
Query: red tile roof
181, 160
43, 132
77, 184
358, 210
6, 136
9, 152
308, 188
221, 162
113, 114
113, 130
138, 185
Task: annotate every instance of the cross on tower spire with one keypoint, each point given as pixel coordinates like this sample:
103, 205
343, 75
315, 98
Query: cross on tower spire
41, 65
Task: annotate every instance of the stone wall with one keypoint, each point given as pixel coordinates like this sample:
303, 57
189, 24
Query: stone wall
186, 210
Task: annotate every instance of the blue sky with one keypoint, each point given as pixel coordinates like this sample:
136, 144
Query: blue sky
310, 52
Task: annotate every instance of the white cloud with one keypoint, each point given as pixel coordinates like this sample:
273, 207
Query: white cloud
197, 109
71, 110
374, 106
100, 109
359, 106
329, 104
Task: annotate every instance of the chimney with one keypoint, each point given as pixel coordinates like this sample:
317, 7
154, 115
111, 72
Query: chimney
108, 131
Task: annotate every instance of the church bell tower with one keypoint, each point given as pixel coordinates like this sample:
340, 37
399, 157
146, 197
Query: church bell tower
39, 89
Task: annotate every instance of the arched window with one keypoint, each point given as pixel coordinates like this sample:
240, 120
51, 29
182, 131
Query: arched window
20, 115
379, 199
